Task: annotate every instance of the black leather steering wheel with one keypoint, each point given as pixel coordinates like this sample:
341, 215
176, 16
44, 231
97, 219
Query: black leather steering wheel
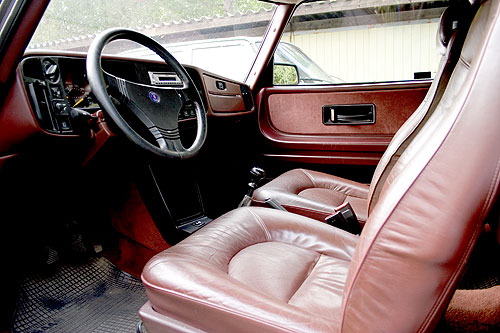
156, 104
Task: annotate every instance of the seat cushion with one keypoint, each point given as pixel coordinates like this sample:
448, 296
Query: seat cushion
314, 194
253, 269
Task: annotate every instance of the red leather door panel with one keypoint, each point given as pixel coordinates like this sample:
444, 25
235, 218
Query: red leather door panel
290, 119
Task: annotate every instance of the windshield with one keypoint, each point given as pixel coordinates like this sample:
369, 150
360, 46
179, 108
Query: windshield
216, 35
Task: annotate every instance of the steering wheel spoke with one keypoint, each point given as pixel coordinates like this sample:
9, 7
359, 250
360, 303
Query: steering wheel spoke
156, 107
168, 139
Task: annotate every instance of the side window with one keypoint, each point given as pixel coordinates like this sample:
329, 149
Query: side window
341, 41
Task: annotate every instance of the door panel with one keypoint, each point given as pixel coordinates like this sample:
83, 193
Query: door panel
291, 121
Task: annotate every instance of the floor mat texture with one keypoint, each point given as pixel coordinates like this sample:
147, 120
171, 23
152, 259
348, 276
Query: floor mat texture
94, 297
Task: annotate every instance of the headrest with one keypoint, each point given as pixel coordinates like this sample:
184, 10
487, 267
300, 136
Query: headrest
447, 26
454, 16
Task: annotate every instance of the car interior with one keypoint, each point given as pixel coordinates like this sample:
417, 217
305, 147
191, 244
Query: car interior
141, 194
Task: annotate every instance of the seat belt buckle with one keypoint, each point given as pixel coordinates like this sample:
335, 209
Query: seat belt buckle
275, 204
344, 218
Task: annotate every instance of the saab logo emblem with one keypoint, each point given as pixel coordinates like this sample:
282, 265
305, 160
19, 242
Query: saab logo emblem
154, 97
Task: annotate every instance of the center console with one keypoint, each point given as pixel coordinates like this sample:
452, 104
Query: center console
173, 197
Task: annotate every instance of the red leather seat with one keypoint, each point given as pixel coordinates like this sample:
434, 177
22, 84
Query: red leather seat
316, 195
262, 270
254, 270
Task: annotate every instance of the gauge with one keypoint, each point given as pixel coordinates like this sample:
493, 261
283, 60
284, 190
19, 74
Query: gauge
76, 94
79, 96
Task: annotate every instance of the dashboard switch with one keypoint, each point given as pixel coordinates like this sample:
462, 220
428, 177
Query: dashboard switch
56, 92
220, 85
64, 124
62, 108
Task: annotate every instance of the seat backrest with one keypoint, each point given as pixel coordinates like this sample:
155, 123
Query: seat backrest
452, 29
420, 233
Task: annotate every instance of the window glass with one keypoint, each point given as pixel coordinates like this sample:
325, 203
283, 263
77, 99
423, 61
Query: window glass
355, 41
228, 58
217, 35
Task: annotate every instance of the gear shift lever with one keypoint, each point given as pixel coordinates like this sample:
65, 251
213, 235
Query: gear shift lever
256, 176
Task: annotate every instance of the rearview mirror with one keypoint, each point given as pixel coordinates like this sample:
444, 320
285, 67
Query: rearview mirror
285, 74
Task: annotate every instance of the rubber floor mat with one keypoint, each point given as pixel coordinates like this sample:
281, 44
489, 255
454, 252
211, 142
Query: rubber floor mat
94, 297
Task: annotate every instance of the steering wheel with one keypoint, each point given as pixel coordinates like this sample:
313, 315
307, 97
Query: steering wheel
155, 103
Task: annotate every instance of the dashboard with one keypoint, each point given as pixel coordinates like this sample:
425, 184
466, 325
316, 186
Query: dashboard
41, 131
57, 86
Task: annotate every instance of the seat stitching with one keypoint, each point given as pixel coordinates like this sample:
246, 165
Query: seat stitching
219, 307
355, 196
322, 188
311, 269
261, 224
464, 62
343, 191
310, 177
161, 261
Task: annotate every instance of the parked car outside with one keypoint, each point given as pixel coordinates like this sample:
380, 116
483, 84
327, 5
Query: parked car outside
232, 58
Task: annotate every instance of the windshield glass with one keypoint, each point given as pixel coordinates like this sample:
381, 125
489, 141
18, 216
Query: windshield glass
216, 35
